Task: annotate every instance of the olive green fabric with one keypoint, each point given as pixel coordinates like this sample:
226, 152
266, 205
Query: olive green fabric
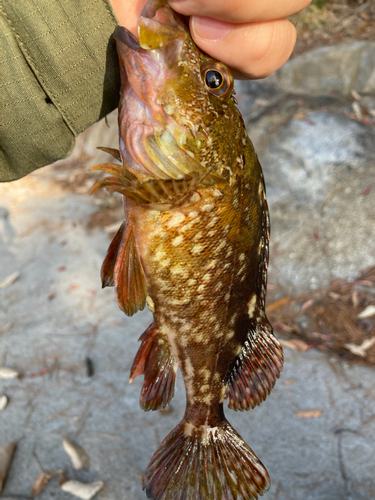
58, 75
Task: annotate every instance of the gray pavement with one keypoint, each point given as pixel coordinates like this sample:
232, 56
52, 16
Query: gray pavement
60, 315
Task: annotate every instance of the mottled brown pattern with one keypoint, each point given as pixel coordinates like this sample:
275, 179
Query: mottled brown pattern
198, 224
199, 262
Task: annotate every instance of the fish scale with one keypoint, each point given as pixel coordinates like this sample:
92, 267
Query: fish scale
194, 247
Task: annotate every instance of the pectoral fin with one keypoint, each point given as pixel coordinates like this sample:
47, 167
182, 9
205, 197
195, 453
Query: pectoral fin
108, 266
159, 194
128, 275
113, 152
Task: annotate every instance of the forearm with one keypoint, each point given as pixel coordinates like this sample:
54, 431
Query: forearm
59, 74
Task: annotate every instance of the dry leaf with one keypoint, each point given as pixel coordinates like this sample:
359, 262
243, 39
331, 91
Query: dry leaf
295, 344
62, 479
289, 381
42, 480
8, 372
355, 298
309, 413
78, 456
367, 313
9, 280
81, 490
278, 303
6, 457
307, 304
3, 402
6, 327
355, 95
357, 110
360, 350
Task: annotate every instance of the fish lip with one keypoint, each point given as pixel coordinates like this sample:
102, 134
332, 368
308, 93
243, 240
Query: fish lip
150, 8
124, 35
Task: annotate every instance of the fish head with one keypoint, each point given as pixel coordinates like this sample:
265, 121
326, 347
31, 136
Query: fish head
177, 112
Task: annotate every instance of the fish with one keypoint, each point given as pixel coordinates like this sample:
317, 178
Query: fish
193, 247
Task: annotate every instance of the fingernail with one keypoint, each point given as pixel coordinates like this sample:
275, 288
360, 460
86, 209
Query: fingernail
207, 28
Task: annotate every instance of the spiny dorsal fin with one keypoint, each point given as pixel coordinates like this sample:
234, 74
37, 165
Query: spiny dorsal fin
129, 277
256, 370
155, 360
113, 152
108, 266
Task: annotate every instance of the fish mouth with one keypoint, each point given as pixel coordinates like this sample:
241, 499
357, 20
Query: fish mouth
125, 36
150, 133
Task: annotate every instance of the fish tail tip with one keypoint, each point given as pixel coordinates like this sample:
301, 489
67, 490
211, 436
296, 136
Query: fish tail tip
213, 463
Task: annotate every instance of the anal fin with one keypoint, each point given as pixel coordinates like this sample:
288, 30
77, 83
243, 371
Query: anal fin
256, 370
155, 360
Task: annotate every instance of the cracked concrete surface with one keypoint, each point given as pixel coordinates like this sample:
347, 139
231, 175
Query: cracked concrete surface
60, 316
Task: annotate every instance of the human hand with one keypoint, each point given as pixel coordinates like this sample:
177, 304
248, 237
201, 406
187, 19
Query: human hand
251, 36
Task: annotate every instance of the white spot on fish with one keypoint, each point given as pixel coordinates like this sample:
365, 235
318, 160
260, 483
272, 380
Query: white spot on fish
238, 349
176, 219
159, 254
177, 241
251, 305
189, 429
208, 207
205, 374
197, 249
150, 303
212, 222
180, 302
220, 246
230, 334
178, 269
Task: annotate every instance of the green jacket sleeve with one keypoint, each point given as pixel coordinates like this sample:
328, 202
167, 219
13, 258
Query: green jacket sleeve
58, 75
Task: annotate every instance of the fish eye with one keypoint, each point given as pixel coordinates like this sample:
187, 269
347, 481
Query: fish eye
217, 78
214, 79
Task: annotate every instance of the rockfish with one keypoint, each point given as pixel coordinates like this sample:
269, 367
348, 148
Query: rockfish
194, 247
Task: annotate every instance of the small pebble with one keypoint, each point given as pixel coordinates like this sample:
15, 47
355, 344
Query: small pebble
8, 372
3, 402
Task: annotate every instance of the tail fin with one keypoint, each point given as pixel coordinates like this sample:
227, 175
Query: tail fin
194, 463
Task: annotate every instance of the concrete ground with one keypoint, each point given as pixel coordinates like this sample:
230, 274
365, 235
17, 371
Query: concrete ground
315, 433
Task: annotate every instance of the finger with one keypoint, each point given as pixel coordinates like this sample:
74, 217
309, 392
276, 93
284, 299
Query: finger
252, 50
239, 11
